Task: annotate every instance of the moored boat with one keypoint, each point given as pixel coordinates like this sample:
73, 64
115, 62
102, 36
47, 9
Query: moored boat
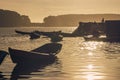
44, 54
20, 56
22, 32
34, 36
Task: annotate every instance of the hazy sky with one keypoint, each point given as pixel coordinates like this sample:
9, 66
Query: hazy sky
38, 9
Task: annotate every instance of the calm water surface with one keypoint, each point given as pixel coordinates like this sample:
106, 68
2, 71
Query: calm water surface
78, 59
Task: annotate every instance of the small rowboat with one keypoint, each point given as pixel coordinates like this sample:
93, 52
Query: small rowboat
20, 56
22, 32
44, 54
33, 35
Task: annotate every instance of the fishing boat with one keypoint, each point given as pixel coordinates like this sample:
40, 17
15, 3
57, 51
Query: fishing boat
44, 54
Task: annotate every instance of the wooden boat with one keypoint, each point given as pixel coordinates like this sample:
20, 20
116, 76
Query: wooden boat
33, 35
20, 56
44, 54
56, 38
22, 32
2, 56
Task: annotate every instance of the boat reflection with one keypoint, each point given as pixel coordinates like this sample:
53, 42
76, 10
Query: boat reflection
24, 70
29, 62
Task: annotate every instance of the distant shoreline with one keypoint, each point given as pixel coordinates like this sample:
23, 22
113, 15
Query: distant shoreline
14, 19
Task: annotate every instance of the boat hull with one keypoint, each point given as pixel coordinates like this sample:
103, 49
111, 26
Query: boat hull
21, 32
20, 56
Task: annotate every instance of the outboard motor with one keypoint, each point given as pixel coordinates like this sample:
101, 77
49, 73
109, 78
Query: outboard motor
2, 55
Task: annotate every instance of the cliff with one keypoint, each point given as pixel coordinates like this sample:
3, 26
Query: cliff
12, 19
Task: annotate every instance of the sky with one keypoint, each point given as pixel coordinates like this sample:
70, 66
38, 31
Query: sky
38, 9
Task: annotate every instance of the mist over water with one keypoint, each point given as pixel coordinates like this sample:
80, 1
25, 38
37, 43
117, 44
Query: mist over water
78, 59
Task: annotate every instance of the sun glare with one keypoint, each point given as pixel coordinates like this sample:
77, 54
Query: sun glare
90, 66
90, 54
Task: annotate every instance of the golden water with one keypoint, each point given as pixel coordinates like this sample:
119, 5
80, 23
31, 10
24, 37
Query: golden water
78, 59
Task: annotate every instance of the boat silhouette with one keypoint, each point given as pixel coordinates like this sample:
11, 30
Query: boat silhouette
43, 54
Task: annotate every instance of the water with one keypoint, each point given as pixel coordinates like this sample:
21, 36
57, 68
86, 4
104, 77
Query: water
78, 59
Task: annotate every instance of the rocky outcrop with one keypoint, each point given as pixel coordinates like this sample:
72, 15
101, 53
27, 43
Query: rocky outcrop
12, 19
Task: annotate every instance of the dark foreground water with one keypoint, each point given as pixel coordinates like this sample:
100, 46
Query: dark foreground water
78, 59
